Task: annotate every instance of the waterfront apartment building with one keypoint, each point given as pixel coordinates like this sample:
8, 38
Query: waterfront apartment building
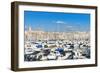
39, 34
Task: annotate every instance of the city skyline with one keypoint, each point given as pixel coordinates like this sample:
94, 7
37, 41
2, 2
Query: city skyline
57, 21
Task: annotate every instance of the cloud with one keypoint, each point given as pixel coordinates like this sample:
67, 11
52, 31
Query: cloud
68, 26
63, 26
60, 22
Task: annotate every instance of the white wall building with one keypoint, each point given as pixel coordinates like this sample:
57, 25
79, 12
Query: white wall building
42, 35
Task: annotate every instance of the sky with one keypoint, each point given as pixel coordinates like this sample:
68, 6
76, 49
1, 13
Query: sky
56, 21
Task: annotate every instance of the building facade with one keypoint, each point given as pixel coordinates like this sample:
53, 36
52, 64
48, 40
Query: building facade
39, 34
